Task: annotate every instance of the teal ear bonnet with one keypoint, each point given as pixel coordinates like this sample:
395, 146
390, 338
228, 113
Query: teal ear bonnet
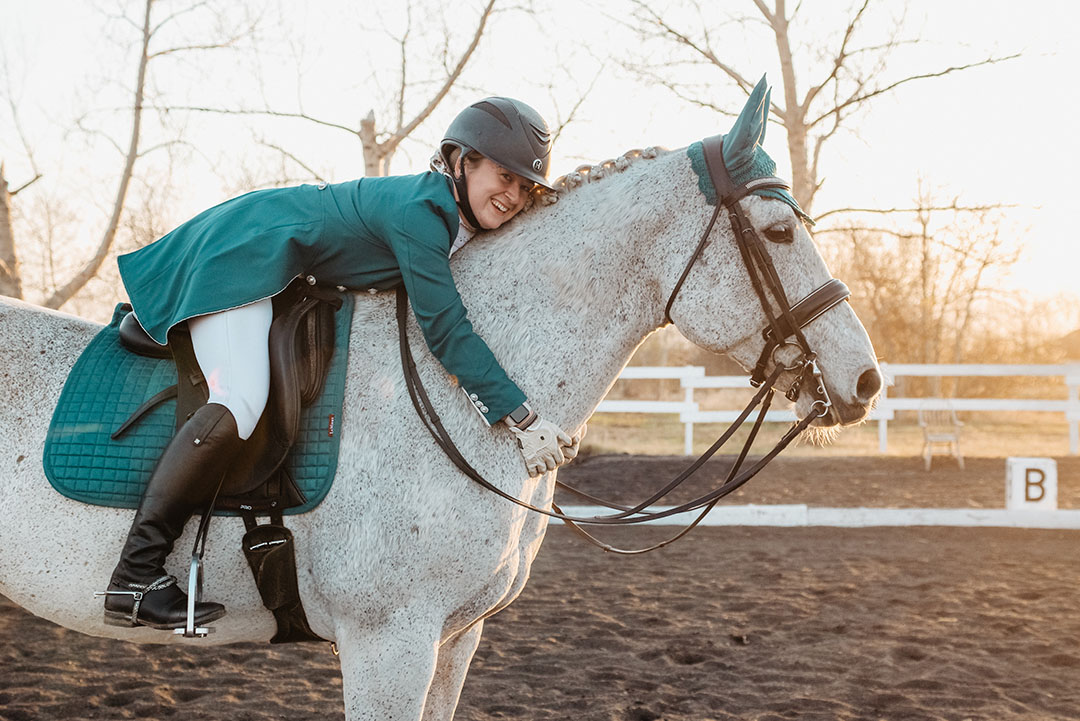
760, 166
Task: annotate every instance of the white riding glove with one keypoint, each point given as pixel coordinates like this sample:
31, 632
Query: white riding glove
570, 452
542, 444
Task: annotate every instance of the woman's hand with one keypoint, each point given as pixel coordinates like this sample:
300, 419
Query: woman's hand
545, 446
570, 452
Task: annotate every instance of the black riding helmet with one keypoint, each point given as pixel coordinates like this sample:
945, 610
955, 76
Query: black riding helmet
505, 130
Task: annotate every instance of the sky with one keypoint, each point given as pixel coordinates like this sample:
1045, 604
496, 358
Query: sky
1001, 134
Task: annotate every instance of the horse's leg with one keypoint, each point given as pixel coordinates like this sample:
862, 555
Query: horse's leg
386, 672
450, 669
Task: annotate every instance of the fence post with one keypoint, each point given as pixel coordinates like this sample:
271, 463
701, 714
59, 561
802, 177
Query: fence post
1072, 415
688, 426
883, 424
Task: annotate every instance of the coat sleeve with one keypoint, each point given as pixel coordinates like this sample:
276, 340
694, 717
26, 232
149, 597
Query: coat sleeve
420, 245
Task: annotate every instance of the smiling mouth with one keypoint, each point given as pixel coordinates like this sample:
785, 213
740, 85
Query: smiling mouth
499, 206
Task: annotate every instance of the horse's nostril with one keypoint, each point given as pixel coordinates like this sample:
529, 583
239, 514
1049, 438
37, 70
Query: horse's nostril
869, 386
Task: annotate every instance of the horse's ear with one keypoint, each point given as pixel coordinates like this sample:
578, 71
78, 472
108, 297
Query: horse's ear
748, 132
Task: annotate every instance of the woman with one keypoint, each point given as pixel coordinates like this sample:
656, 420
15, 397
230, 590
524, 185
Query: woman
218, 271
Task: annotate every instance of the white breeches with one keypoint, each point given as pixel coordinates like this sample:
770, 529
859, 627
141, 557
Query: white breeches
233, 351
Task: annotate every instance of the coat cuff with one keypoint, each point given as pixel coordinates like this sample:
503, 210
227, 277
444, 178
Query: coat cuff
496, 410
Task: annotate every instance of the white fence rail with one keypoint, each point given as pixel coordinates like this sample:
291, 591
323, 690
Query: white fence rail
693, 377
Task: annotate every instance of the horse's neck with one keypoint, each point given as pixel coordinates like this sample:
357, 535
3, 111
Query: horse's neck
563, 301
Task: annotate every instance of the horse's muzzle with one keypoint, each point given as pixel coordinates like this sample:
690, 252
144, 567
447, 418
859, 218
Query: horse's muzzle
848, 412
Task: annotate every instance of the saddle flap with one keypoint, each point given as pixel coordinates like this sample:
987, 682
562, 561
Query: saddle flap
301, 348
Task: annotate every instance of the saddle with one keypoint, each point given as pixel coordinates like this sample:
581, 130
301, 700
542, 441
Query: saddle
301, 346
301, 343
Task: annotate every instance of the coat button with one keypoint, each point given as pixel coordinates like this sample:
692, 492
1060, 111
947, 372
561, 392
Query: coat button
472, 396
310, 280
322, 186
483, 409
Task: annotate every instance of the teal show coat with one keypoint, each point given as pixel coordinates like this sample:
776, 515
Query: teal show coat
362, 234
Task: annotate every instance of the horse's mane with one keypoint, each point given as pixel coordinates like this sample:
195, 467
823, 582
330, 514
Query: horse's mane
580, 176
585, 174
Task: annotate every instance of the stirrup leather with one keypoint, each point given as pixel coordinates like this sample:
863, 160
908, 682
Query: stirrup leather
138, 591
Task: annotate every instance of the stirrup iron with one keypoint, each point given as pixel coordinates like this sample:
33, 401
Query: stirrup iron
194, 595
195, 575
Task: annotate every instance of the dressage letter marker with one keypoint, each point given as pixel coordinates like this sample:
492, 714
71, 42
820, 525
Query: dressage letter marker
1031, 484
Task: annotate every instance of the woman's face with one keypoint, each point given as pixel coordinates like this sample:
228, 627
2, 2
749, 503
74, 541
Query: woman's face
495, 194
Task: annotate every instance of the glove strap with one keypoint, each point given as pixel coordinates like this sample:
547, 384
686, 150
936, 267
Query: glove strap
521, 417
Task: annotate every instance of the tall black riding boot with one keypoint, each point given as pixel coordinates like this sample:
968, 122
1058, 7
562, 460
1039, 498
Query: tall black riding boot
184, 481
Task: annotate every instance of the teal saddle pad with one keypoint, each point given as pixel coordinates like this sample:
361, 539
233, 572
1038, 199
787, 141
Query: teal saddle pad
108, 383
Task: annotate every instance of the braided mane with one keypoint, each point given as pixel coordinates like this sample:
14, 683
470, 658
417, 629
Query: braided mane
581, 175
585, 174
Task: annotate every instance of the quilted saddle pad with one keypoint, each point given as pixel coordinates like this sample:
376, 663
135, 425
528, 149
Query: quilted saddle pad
108, 383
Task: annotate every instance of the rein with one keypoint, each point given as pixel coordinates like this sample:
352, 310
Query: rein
788, 322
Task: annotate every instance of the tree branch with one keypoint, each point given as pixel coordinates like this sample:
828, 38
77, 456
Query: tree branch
190, 8
314, 174
61, 296
24, 186
577, 105
267, 112
184, 48
838, 62
400, 134
885, 211
859, 98
404, 65
706, 52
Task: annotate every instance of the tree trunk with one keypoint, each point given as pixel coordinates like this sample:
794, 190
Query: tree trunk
10, 282
794, 115
376, 159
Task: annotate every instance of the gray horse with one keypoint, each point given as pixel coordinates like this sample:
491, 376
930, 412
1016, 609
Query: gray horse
405, 558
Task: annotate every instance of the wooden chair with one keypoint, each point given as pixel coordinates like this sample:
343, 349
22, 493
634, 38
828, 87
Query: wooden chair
940, 427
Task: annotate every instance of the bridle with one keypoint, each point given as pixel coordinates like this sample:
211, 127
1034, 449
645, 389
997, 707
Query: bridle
791, 319
788, 322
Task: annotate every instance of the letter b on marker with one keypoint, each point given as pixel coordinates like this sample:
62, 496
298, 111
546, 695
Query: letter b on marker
1031, 484
1034, 490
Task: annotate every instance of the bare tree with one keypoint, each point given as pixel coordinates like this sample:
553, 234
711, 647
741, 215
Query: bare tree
10, 278
849, 75
920, 288
379, 147
414, 99
149, 28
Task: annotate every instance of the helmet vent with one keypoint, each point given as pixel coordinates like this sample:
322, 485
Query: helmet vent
494, 111
541, 134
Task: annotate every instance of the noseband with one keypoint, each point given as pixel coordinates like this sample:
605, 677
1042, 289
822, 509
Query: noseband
787, 323
791, 319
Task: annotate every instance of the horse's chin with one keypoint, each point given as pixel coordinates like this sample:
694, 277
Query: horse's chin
820, 435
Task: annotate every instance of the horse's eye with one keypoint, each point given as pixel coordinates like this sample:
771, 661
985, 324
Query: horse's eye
780, 233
